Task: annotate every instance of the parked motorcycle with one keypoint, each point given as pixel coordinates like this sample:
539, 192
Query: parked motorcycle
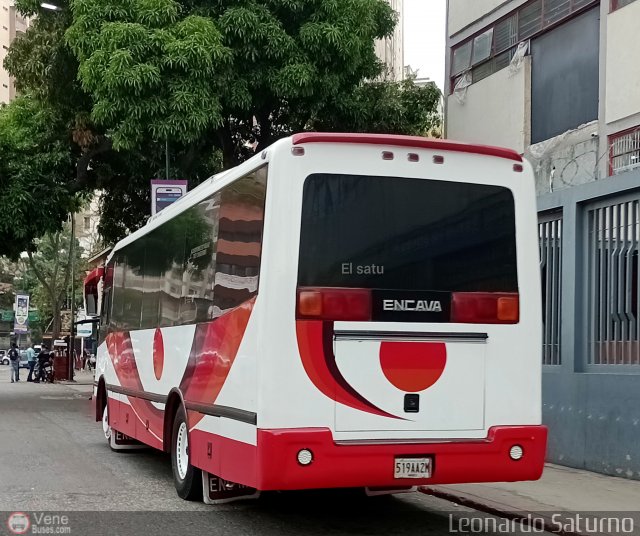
43, 371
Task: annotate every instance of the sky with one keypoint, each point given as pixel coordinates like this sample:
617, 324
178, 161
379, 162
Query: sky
424, 38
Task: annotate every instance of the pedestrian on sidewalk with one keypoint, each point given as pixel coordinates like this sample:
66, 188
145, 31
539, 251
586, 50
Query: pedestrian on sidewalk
14, 357
31, 359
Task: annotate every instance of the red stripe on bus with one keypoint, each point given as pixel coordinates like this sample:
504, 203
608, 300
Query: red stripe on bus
406, 141
315, 347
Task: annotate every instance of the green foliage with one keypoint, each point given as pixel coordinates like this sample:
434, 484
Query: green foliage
217, 79
49, 272
33, 169
384, 107
165, 69
43, 64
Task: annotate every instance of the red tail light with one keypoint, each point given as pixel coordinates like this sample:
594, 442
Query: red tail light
485, 308
333, 304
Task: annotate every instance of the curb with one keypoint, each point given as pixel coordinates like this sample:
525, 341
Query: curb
523, 517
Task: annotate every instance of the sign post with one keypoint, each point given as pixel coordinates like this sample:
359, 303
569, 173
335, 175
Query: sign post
21, 322
164, 192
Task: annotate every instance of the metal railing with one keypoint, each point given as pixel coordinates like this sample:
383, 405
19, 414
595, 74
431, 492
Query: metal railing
612, 282
624, 151
550, 232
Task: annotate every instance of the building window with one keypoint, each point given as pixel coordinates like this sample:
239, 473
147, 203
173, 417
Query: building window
492, 49
612, 283
550, 234
624, 151
617, 4
87, 223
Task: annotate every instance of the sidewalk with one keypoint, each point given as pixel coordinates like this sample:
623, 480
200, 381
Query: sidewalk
561, 490
80, 377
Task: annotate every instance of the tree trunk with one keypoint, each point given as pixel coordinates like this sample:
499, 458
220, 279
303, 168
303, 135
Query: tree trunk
57, 322
227, 146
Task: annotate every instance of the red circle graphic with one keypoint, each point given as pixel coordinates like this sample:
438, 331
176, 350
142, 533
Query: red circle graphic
413, 366
158, 354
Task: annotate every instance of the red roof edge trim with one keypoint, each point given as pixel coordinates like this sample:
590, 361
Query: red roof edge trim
94, 276
406, 141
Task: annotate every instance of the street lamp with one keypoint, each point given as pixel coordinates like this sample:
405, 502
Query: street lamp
50, 7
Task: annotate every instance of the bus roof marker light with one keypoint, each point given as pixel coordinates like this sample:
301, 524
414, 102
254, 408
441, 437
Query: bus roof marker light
297, 151
438, 159
413, 157
387, 155
518, 168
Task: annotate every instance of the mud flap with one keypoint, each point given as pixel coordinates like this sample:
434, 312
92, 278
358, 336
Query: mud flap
216, 490
374, 492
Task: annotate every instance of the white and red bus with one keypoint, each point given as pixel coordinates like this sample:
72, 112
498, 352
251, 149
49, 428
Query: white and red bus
342, 310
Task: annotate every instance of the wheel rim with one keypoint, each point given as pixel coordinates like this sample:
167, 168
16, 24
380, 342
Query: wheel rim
182, 451
105, 423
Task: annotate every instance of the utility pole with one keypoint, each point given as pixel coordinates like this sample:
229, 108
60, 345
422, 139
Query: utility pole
72, 337
166, 153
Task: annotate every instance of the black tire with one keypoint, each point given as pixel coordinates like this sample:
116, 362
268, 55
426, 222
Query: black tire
188, 487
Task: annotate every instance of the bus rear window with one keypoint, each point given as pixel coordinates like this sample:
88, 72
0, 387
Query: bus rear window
407, 234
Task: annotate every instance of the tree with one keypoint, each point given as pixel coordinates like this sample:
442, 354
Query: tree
217, 80
51, 266
199, 72
35, 160
384, 107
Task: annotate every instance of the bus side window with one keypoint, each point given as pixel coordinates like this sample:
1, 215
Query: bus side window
240, 241
201, 238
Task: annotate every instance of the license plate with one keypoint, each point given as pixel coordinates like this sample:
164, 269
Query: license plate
412, 468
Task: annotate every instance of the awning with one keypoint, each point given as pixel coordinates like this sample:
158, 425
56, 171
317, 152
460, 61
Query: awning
93, 277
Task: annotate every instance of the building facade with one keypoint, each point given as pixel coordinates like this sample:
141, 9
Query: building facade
391, 49
558, 81
12, 25
87, 222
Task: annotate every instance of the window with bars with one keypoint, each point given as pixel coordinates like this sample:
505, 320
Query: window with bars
550, 234
612, 283
624, 151
617, 4
493, 48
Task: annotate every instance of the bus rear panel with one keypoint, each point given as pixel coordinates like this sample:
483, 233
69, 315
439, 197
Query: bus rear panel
402, 330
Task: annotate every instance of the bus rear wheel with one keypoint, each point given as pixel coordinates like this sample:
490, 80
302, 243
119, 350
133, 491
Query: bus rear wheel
186, 477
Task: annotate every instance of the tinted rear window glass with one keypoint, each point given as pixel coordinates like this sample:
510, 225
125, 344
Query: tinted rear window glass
413, 234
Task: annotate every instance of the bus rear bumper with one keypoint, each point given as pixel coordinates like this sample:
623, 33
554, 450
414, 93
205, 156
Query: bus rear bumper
371, 464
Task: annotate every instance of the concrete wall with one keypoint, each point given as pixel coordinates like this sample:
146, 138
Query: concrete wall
464, 12
623, 67
571, 157
593, 414
496, 111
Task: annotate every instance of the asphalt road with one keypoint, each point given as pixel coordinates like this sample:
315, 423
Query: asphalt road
54, 458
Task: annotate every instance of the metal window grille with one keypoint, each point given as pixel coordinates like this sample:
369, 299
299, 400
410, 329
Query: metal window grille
612, 278
624, 151
525, 22
550, 231
530, 19
556, 10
